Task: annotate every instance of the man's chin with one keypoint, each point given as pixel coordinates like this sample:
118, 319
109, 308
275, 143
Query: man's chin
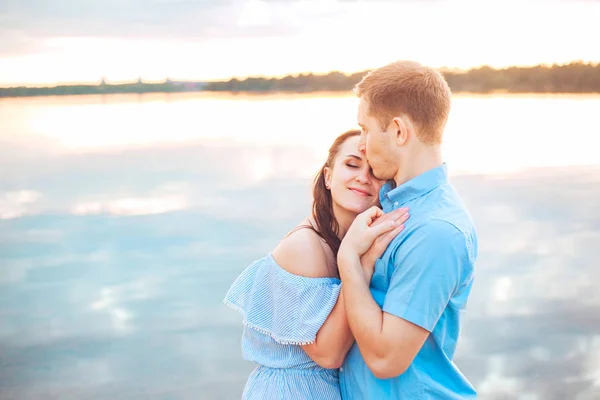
381, 176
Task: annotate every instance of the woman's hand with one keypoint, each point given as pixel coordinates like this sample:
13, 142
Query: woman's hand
379, 245
373, 227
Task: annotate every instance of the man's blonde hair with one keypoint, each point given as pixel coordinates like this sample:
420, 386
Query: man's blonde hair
407, 87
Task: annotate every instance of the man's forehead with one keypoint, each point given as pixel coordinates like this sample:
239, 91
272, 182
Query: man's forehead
362, 112
363, 119
363, 105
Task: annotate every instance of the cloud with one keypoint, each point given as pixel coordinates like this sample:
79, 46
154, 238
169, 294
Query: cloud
15, 204
24, 24
110, 18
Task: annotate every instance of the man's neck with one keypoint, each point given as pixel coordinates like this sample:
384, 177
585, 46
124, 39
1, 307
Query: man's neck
425, 159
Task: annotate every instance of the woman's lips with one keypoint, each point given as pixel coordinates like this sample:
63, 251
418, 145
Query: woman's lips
360, 192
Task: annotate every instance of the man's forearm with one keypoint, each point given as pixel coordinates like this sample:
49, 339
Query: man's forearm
364, 315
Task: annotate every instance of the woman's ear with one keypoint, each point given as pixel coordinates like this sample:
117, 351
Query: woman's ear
327, 177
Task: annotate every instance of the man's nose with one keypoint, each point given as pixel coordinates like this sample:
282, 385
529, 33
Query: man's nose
362, 145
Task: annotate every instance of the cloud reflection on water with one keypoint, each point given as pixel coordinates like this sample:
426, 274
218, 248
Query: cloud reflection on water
114, 267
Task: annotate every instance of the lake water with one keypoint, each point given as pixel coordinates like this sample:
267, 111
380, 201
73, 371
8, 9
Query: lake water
124, 219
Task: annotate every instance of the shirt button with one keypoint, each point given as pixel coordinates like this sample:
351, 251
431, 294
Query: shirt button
341, 369
395, 203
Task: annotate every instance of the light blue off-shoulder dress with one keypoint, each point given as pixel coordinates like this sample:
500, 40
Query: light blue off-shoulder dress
280, 312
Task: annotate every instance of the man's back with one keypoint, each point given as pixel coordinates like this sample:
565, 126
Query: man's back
424, 277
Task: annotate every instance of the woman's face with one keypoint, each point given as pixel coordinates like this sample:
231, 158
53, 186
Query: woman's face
350, 179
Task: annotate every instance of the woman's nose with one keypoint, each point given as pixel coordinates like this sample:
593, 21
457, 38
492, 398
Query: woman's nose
363, 177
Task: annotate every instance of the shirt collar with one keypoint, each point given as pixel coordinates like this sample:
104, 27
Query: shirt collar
392, 197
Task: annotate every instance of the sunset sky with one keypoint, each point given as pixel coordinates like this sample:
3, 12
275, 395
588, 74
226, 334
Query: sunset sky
72, 41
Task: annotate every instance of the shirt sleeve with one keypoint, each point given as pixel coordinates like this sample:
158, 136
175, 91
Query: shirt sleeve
427, 272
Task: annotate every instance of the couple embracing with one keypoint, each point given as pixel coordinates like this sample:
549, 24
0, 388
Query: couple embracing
364, 298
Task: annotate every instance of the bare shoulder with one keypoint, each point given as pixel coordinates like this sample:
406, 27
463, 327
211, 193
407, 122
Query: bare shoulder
302, 253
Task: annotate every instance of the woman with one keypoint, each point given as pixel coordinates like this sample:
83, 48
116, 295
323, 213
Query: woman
295, 325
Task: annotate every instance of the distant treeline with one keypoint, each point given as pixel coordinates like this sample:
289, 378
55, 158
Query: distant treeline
577, 77
103, 88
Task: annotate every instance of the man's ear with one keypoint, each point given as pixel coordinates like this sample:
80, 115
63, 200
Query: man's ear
402, 127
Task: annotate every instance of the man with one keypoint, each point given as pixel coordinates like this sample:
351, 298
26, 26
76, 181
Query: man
405, 314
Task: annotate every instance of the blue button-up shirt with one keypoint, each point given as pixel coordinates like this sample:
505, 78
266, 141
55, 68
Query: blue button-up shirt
424, 277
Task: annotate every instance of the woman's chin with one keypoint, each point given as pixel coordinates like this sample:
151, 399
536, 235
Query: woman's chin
360, 207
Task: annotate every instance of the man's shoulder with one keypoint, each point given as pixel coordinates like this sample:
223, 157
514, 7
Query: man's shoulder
438, 232
438, 229
448, 207
441, 218
455, 231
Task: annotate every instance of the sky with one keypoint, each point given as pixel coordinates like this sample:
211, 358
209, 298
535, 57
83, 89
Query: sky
44, 42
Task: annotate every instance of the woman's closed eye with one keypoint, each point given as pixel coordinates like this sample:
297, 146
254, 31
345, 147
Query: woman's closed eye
352, 165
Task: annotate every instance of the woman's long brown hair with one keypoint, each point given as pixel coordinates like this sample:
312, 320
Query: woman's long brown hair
327, 225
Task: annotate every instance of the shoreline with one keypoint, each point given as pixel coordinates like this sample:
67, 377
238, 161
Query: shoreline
289, 93
576, 77
104, 98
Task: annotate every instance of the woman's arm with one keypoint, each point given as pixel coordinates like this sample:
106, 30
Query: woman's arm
334, 339
302, 253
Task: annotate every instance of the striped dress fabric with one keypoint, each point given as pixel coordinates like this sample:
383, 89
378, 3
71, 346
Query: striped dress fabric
282, 311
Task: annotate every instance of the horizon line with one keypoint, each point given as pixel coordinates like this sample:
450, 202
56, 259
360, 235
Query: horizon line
296, 74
